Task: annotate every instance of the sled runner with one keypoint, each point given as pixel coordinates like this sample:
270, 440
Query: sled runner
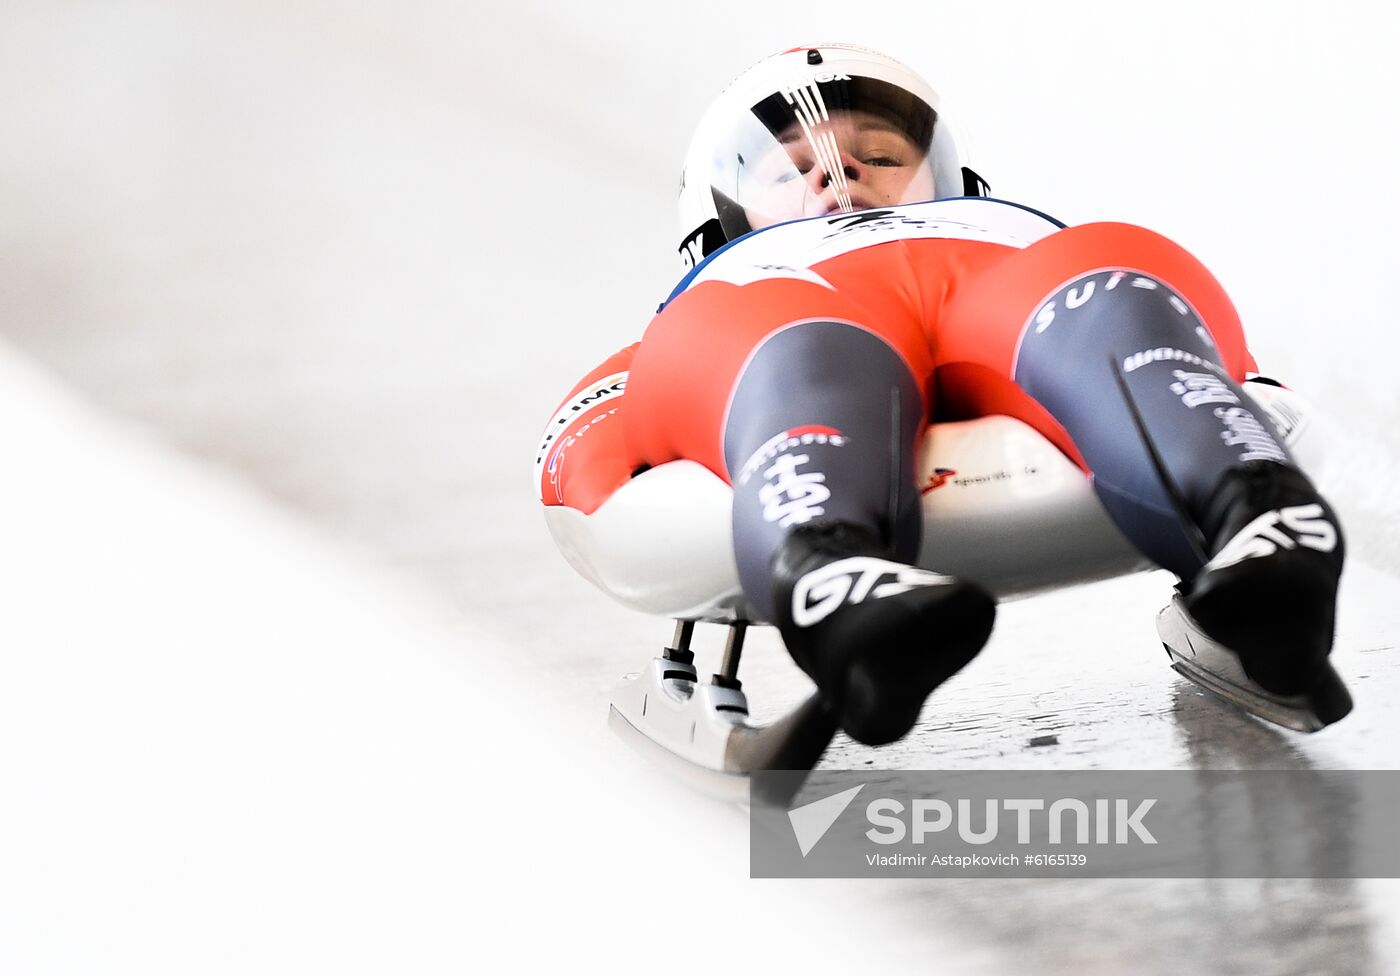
700, 730
1212, 666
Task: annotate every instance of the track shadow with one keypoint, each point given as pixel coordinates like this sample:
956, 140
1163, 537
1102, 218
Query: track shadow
1324, 917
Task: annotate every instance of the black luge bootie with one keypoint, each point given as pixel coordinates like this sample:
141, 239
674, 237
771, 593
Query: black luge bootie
877, 636
1269, 591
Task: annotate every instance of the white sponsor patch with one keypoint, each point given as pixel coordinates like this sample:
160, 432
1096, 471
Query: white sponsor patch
1164, 354
786, 441
1270, 532
1243, 429
792, 497
1196, 389
819, 593
606, 389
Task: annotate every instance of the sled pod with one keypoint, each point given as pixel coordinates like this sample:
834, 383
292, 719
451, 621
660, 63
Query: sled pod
1002, 507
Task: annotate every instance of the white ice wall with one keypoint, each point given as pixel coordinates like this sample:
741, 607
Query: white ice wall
231, 745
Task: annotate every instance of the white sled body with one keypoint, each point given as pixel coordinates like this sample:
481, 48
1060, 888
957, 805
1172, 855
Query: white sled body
1011, 513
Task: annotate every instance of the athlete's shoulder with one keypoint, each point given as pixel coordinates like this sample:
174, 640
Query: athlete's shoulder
799, 244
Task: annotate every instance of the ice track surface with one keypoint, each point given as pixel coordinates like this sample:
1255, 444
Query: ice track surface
341, 261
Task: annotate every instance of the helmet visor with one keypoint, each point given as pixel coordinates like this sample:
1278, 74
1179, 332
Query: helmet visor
836, 146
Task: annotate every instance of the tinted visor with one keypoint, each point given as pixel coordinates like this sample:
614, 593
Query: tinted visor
836, 146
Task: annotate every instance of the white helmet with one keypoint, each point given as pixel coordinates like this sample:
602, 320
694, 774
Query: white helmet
811, 131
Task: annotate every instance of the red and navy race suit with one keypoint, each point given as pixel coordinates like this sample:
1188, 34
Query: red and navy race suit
801, 363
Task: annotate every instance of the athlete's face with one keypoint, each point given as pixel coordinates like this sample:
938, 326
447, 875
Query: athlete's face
855, 161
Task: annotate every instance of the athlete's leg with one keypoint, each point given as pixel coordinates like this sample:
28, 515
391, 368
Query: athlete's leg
1078, 315
725, 373
821, 427
1136, 352
812, 414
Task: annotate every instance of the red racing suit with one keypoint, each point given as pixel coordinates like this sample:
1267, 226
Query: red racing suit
953, 286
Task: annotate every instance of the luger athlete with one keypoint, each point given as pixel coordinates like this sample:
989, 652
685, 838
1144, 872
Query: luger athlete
801, 360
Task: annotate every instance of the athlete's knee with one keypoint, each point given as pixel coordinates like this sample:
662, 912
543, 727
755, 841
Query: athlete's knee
819, 371
1137, 281
1121, 313
830, 352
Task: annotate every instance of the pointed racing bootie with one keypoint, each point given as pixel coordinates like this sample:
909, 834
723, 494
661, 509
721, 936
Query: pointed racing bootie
1269, 591
877, 636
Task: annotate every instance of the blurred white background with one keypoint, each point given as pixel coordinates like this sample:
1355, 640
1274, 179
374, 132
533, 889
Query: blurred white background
262, 702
